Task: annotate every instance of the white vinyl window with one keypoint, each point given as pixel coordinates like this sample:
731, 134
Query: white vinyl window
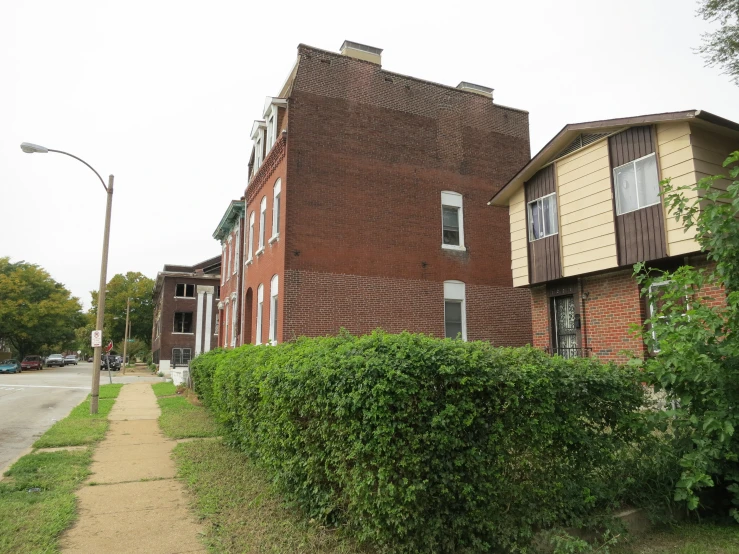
251, 237
225, 325
258, 152
218, 322
223, 262
543, 217
236, 252
636, 184
262, 222
260, 309
455, 316
273, 286
229, 257
452, 221
270, 130
276, 211
234, 313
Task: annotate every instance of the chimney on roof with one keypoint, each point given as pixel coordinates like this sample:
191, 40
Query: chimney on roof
477, 89
361, 52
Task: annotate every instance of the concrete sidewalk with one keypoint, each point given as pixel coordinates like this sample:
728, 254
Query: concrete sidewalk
136, 504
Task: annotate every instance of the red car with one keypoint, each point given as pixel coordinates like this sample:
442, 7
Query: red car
32, 362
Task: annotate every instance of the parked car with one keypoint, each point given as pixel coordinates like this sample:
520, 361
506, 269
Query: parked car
70, 360
55, 359
106, 360
10, 366
90, 359
32, 362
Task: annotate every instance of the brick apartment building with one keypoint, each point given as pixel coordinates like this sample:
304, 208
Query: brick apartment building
185, 311
366, 206
229, 316
587, 207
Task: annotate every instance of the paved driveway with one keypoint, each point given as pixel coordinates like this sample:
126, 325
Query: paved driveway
30, 403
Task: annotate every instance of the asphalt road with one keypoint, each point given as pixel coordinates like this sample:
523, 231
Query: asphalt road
31, 401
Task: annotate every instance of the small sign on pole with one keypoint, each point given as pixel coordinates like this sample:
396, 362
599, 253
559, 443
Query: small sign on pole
97, 339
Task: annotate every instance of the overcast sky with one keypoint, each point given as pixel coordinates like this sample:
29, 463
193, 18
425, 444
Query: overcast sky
162, 94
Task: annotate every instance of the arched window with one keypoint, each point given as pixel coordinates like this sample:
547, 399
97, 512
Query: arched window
273, 290
260, 310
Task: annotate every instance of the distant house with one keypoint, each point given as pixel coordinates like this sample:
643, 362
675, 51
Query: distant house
185, 312
587, 207
366, 208
230, 233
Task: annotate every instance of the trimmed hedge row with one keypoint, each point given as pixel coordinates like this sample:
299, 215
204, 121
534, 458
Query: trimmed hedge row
424, 445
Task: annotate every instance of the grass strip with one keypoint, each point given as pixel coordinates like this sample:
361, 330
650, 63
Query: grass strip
80, 427
181, 419
164, 389
241, 512
694, 538
37, 501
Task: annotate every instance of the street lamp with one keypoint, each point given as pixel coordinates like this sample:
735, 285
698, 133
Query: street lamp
30, 148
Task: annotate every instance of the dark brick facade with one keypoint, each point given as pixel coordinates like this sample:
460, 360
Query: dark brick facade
363, 163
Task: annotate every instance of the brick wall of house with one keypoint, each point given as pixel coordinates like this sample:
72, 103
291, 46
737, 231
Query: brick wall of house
541, 337
231, 283
369, 153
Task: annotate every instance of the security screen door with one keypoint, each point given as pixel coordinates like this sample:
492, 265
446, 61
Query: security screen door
565, 334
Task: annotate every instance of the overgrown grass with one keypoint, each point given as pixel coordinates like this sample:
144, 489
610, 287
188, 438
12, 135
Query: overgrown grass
704, 538
164, 389
80, 427
241, 512
181, 419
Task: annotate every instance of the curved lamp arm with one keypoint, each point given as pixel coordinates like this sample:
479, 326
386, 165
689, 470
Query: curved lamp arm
29, 148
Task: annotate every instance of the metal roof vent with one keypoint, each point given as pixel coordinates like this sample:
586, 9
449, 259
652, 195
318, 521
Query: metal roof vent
580, 141
477, 89
361, 52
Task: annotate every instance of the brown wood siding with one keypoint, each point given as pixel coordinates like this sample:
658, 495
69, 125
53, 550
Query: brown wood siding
544, 258
640, 235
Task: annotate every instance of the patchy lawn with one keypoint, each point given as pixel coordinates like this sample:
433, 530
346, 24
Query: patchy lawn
704, 538
164, 389
80, 427
240, 512
181, 419
37, 501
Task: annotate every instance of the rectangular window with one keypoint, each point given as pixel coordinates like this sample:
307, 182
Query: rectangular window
251, 237
183, 322
181, 356
273, 288
185, 291
455, 324
218, 322
233, 322
636, 184
260, 306
236, 252
262, 222
543, 217
276, 209
218, 292
270, 132
452, 318
452, 221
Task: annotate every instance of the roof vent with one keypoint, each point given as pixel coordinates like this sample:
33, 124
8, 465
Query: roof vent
361, 52
478, 89
581, 141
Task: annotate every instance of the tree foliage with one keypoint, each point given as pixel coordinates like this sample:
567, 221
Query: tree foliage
138, 288
695, 330
721, 47
36, 312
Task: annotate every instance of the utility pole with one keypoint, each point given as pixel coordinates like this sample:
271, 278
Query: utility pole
126, 332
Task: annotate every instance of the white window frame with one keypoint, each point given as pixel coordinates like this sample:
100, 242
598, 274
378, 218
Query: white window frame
236, 251
225, 325
530, 214
223, 259
233, 321
270, 129
273, 300
262, 223
228, 260
454, 291
251, 238
276, 211
260, 311
636, 187
217, 322
451, 199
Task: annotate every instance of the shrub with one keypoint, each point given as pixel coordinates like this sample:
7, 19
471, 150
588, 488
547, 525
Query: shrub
426, 445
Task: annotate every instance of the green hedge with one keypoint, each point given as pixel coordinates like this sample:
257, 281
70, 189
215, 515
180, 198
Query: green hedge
425, 445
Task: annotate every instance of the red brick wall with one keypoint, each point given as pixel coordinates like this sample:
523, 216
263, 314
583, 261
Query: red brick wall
541, 337
368, 154
323, 303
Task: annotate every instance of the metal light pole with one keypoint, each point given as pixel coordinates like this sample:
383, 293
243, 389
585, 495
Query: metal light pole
125, 333
30, 148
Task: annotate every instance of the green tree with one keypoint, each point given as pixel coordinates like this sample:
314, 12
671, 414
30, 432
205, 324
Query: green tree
138, 288
35, 310
721, 47
697, 338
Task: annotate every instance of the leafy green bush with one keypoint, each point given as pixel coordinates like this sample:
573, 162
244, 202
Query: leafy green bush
426, 445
